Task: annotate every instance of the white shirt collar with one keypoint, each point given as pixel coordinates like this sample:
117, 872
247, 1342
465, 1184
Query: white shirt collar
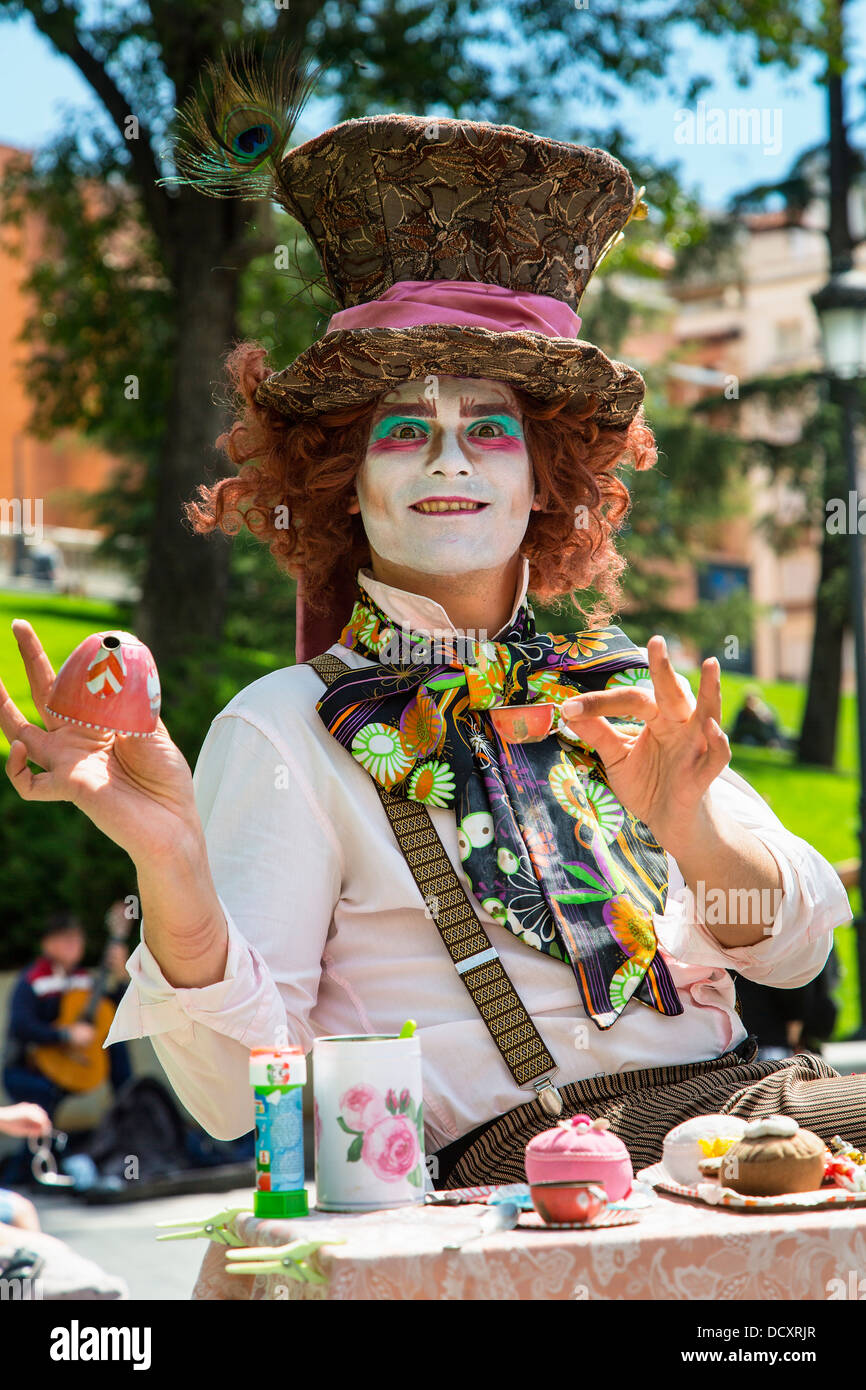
425, 614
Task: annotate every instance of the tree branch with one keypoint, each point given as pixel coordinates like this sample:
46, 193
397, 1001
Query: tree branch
59, 26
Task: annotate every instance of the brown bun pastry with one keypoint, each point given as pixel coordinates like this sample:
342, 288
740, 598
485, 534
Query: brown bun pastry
775, 1156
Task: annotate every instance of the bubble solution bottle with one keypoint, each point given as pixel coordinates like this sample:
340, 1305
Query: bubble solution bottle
277, 1076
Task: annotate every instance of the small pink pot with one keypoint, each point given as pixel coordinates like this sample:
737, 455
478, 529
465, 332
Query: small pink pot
523, 723
580, 1150
567, 1203
110, 682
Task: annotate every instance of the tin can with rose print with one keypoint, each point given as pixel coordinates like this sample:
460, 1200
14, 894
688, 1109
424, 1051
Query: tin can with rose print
369, 1122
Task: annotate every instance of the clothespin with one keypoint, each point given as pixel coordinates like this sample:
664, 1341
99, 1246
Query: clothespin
213, 1228
289, 1260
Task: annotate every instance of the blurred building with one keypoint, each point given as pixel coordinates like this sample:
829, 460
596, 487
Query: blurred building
752, 316
46, 536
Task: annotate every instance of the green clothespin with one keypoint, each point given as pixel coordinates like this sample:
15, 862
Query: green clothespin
408, 1029
289, 1260
213, 1228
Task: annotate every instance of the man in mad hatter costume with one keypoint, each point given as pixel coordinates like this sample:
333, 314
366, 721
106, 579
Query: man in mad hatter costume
364, 842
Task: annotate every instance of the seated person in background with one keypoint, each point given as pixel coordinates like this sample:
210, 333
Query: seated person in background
757, 724
24, 1120
46, 1055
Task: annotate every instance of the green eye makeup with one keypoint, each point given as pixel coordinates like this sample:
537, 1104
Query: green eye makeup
508, 423
391, 421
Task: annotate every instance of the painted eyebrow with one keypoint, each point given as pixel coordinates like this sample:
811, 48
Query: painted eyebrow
490, 408
426, 408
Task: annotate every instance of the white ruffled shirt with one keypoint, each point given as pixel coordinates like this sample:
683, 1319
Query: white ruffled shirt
329, 934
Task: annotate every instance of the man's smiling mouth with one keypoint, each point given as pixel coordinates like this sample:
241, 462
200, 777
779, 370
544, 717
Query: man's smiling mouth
448, 504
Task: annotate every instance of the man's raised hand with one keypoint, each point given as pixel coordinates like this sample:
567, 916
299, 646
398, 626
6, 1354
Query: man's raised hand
661, 774
137, 791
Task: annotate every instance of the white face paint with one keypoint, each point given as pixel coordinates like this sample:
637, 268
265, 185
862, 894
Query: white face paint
465, 443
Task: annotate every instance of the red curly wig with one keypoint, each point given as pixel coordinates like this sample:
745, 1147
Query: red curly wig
307, 468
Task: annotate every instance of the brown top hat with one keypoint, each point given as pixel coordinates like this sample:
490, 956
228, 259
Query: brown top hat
399, 199
452, 247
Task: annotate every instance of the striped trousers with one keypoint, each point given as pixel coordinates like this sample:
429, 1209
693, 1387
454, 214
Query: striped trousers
642, 1106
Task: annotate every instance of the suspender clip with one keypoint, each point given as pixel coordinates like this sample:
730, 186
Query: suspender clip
551, 1100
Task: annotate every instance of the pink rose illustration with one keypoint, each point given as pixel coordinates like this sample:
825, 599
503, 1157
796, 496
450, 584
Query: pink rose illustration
391, 1148
361, 1107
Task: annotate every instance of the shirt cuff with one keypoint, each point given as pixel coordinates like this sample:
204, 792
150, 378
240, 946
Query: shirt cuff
245, 1004
799, 934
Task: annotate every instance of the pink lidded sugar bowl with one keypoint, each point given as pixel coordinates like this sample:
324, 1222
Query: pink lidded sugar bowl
579, 1151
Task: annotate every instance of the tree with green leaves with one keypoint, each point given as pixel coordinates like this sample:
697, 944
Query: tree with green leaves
138, 304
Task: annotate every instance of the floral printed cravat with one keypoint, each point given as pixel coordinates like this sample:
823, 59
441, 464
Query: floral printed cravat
548, 849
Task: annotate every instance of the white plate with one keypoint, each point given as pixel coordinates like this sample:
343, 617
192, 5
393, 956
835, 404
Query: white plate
712, 1195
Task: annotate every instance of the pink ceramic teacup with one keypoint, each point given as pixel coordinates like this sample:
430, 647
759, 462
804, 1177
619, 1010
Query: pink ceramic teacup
568, 1203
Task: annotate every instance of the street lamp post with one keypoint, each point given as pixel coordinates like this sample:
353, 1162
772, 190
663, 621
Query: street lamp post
841, 309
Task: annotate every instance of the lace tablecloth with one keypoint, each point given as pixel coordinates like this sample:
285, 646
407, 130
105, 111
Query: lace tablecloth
677, 1250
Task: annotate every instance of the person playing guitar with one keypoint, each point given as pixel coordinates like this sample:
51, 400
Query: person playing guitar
60, 1014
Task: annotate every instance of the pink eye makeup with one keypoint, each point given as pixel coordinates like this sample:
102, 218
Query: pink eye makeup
510, 438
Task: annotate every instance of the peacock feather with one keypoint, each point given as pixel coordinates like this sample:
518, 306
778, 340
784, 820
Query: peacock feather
233, 132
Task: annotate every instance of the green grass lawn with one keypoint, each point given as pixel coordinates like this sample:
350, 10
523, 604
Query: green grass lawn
818, 805
61, 624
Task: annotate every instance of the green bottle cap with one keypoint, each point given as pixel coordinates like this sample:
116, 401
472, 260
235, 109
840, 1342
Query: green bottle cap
281, 1204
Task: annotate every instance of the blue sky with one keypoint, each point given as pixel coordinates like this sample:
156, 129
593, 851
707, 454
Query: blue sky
37, 85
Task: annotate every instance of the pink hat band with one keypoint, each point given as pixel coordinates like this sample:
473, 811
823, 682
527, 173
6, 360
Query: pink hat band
409, 303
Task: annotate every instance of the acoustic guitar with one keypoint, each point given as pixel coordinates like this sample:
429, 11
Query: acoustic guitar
84, 1068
